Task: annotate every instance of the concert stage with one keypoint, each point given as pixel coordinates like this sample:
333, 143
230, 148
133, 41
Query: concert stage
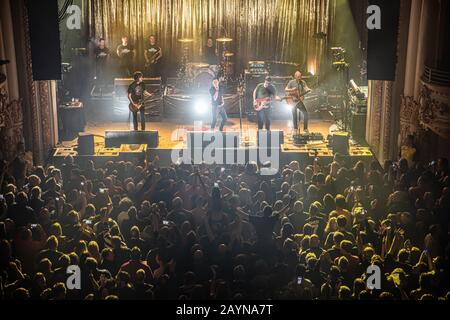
172, 135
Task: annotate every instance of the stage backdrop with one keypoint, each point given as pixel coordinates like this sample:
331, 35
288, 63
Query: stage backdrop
281, 30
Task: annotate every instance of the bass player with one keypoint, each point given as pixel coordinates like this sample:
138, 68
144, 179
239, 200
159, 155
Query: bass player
263, 95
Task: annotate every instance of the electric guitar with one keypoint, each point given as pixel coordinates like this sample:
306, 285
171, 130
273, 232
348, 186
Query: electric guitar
153, 59
136, 106
264, 103
294, 96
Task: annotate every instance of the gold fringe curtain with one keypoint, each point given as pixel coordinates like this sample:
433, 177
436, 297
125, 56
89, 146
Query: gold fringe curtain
262, 29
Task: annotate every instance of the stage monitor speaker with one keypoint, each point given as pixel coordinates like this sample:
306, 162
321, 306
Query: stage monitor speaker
270, 139
340, 143
228, 139
85, 144
44, 39
382, 43
114, 139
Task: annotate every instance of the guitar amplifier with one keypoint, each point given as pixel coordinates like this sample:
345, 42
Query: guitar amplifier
121, 85
257, 67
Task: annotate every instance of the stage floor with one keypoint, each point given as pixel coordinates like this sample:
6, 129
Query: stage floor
172, 136
173, 132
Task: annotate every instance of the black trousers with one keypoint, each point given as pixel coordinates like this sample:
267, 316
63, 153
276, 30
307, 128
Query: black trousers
215, 111
264, 118
135, 119
302, 108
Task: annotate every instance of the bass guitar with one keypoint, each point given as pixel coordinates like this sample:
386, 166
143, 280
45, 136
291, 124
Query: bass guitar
264, 103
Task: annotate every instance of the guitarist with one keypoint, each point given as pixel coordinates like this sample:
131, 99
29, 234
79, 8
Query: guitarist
153, 55
136, 93
297, 88
267, 91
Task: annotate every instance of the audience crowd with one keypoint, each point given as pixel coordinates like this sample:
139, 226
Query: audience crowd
143, 231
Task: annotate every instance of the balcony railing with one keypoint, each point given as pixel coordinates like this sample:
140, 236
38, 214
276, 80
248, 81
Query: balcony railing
436, 77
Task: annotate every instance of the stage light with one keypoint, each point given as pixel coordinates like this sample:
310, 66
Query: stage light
201, 106
312, 67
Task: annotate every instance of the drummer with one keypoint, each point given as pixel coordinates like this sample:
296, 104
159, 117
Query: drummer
210, 53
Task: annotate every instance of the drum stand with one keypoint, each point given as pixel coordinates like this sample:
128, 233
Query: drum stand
241, 97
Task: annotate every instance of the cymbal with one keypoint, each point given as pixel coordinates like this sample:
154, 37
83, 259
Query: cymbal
200, 65
229, 54
185, 40
224, 39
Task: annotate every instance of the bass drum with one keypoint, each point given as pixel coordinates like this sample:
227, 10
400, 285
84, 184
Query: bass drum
203, 81
194, 68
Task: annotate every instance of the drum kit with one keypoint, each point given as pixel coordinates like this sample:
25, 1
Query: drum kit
199, 75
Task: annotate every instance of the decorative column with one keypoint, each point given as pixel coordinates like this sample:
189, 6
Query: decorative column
11, 124
11, 115
413, 42
409, 108
422, 46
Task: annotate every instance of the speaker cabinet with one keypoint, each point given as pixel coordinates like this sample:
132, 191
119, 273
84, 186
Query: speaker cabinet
44, 39
340, 143
121, 85
358, 124
382, 43
114, 139
86, 144
202, 139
